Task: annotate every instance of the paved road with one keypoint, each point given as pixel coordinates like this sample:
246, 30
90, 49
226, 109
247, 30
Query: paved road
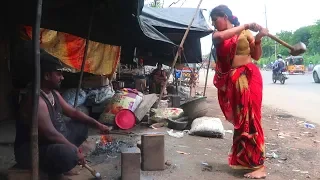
299, 96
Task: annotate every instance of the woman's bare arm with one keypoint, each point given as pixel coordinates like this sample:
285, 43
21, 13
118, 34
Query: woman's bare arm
255, 46
219, 36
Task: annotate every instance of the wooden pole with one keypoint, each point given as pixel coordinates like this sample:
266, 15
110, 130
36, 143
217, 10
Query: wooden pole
36, 92
178, 52
206, 81
84, 55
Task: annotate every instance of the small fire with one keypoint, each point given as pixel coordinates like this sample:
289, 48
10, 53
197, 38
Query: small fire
104, 139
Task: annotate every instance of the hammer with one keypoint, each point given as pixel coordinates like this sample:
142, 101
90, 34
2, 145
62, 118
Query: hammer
93, 172
295, 50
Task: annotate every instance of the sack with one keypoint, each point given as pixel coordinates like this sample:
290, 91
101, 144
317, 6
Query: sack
70, 95
161, 114
207, 127
99, 95
123, 99
107, 118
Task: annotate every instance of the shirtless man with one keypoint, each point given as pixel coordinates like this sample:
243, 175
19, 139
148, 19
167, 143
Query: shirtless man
59, 140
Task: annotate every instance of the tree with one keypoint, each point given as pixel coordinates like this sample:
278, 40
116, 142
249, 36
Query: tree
156, 4
287, 37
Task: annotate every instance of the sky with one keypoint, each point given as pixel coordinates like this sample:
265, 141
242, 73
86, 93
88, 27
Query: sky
281, 14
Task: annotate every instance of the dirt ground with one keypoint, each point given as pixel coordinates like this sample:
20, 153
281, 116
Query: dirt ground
296, 147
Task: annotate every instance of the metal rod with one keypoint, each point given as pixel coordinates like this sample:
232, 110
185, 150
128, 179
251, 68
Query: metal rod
36, 92
84, 55
206, 81
176, 80
178, 52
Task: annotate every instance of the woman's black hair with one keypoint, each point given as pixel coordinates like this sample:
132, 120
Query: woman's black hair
223, 10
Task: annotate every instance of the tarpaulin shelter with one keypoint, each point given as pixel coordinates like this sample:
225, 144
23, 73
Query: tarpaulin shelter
173, 22
113, 23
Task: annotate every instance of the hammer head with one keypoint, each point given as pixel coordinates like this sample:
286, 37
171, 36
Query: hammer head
298, 49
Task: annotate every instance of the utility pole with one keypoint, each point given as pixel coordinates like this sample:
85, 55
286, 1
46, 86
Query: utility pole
265, 14
266, 18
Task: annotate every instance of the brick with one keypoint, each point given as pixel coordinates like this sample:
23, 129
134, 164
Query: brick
130, 164
152, 152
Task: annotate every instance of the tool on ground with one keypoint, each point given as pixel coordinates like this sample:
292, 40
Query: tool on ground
124, 133
93, 172
295, 50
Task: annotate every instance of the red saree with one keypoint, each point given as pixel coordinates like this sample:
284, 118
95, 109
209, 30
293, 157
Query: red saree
240, 99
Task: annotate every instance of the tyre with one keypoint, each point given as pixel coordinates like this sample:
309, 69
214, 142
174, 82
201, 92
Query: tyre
316, 77
274, 80
282, 80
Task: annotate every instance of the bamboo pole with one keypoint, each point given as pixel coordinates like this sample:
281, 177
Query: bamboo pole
84, 55
178, 52
36, 92
206, 81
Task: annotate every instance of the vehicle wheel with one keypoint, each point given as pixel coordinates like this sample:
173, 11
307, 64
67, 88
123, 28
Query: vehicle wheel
316, 77
282, 80
274, 80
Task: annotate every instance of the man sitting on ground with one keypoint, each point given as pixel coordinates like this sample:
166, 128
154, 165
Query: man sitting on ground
58, 140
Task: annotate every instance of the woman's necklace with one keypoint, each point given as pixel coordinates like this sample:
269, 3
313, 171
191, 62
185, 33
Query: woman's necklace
49, 97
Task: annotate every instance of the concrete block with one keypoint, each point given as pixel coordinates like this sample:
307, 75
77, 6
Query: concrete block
130, 164
152, 152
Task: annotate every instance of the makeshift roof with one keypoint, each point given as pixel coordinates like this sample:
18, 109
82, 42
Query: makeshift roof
168, 19
114, 21
173, 22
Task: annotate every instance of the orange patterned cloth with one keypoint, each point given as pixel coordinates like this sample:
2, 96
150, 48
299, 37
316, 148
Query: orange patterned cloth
102, 59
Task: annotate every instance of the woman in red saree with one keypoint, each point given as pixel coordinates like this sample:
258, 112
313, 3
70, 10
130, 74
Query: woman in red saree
239, 85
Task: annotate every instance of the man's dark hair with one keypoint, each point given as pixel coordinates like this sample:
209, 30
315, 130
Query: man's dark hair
49, 63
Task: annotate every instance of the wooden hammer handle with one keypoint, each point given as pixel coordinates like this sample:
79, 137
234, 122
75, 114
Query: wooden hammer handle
280, 41
89, 168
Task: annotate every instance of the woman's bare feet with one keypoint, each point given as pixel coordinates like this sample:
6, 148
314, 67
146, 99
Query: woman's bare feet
257, 174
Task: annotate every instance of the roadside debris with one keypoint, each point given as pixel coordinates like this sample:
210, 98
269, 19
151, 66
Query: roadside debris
168, 163
310, 126
272, 155
316, 141
282, 135
175, 134
206, 167
157, 125
228, 131
181, 152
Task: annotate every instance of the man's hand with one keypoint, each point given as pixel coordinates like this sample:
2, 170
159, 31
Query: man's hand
104, 129
81, 159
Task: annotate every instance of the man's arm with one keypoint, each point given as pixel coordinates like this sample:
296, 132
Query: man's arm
46, 127
74, 114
